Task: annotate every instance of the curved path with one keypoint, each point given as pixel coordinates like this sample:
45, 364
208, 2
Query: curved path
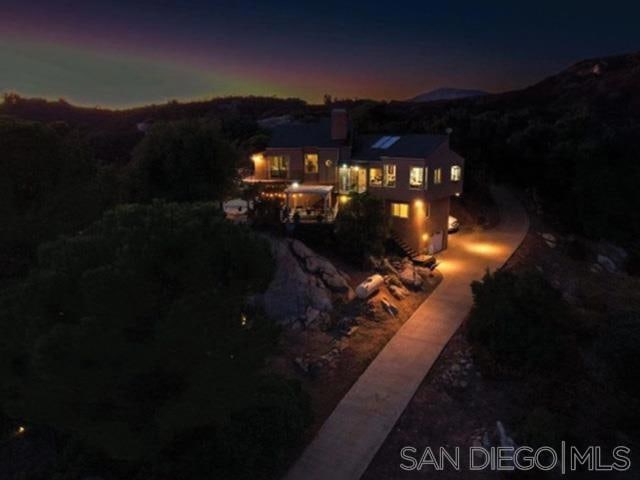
353, 433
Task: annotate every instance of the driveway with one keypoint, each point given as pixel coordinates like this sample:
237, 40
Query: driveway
351, 436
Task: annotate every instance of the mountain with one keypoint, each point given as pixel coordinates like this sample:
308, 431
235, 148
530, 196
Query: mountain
447, 94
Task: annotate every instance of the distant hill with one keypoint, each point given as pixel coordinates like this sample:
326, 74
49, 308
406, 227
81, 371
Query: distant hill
447, 94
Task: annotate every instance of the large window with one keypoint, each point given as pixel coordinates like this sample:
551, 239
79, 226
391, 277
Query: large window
389, 175
311, 163
437, 176
456, 173
279, 166
400, 210
416, 177
375, 176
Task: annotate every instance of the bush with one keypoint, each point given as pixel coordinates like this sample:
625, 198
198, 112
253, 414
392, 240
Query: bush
361, 226
518, 321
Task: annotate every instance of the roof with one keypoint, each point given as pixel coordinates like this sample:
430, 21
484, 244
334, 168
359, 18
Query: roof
410, 146
310, 189
304, 134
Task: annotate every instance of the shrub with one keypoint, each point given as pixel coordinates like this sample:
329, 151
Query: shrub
518, 321
135, 333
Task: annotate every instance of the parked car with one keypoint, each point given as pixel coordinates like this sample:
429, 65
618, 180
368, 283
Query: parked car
454, 224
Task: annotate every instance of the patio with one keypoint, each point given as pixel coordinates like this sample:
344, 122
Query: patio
309, 203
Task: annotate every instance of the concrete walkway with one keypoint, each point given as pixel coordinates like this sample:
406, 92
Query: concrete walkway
353, 433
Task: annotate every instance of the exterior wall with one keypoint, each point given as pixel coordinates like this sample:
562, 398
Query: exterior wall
327, 174
419, 230
444, 158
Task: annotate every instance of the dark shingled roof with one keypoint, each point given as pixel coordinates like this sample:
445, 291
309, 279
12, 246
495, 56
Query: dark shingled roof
410, 146
304, 134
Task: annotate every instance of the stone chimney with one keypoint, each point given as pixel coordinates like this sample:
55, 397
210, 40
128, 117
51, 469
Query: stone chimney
339, 124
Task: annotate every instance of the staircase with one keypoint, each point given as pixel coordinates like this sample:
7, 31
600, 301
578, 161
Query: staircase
408, 251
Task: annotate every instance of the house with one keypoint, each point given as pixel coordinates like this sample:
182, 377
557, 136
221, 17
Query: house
314, 166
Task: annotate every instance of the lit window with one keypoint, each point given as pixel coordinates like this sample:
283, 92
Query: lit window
437, 176
389, 175
456, 173
279, 166
400, 210
375, 177
311, 163
416, 177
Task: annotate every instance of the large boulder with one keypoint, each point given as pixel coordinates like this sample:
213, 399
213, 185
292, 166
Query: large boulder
292, 290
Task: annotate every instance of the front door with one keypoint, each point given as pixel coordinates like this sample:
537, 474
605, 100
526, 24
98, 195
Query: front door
362, 180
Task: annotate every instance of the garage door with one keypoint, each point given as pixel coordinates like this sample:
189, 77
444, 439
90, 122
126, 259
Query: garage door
436, 242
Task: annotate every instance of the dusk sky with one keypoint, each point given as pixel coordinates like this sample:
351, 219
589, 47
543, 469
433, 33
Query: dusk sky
120, 53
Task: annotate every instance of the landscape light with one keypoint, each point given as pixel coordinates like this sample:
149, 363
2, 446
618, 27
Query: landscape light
21, 430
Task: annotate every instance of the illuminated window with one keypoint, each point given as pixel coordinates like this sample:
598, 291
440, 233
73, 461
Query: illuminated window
437, 176
311, 163
416, 177
456, 173
400, 210
389, 175
375, 177
279, 166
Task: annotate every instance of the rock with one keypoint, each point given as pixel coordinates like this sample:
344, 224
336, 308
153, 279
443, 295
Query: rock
351, 331
400, 293
393, 280
302, 364
606, 263
387, 267
300, 250
464, 384
335, 282
311, 316
549, 239
410, 277
596, 268
390, 308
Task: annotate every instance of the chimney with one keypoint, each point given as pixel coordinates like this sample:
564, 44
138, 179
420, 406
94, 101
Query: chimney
339, 124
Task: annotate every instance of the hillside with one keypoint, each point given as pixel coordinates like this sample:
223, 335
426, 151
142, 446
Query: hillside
447, 94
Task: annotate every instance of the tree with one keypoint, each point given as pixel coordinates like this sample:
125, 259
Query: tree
49, 185
134, 335
183, 161
361, 226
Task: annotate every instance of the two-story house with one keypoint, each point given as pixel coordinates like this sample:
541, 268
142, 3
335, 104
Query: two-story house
317, 165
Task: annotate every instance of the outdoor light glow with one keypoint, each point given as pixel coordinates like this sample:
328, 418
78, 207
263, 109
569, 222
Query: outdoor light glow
484, 248
418, 203
425, 237
344, 199
21, 430
344, 165
295, 184
457, 194
257, 158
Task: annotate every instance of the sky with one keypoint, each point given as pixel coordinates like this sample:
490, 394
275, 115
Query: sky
121, 53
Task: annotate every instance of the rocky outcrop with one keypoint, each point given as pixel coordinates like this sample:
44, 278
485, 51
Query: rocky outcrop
304, 285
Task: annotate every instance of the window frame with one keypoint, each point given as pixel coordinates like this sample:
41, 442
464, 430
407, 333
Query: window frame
316, 163
282, 158
385, 182
402, 206
437, 176
376, 185
458, 170
422, 184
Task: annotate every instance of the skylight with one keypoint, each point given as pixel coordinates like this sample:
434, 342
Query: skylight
388, 142
380, 141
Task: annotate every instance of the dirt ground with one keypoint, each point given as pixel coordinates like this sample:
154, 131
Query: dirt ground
347, 354
455, 404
